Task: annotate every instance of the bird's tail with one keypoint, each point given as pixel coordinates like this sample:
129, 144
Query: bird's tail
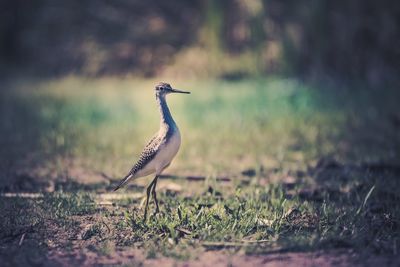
124, 181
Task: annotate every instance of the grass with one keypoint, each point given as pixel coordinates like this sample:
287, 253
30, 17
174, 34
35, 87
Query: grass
309, 167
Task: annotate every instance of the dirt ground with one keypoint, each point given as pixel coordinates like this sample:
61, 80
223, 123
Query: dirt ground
135, 257
70, 251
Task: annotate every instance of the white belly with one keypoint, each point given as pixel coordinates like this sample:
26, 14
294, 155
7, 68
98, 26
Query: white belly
167, 152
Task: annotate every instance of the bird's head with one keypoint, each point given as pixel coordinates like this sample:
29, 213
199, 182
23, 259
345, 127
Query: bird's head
162, 89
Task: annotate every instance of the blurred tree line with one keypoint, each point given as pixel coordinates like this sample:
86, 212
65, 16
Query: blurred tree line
346, 39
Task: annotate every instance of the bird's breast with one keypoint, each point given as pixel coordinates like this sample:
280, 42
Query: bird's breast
168, 150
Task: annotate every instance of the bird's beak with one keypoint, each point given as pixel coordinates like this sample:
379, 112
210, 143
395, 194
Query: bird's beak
178, 91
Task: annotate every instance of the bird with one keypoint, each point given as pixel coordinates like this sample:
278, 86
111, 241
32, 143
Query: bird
159, 152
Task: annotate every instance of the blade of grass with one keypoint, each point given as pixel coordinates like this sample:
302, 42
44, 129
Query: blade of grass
365, 200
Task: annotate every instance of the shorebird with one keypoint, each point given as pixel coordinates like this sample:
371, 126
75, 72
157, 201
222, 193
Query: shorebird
160, 150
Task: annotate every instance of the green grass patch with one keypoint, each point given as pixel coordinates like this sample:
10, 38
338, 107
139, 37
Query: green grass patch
261, 219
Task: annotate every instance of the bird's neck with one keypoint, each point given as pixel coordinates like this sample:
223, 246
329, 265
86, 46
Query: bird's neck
166, 117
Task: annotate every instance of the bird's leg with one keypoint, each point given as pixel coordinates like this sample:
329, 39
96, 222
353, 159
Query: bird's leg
155, 195
148, 191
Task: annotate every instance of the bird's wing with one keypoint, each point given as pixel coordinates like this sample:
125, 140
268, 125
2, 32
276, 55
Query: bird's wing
148, 153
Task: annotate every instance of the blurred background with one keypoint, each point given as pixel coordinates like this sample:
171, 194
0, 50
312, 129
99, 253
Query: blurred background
345, 40
273, 83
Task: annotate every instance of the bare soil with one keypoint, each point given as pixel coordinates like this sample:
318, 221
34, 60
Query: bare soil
136, 257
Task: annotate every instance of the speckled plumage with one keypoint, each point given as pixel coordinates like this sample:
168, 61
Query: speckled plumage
148, 153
